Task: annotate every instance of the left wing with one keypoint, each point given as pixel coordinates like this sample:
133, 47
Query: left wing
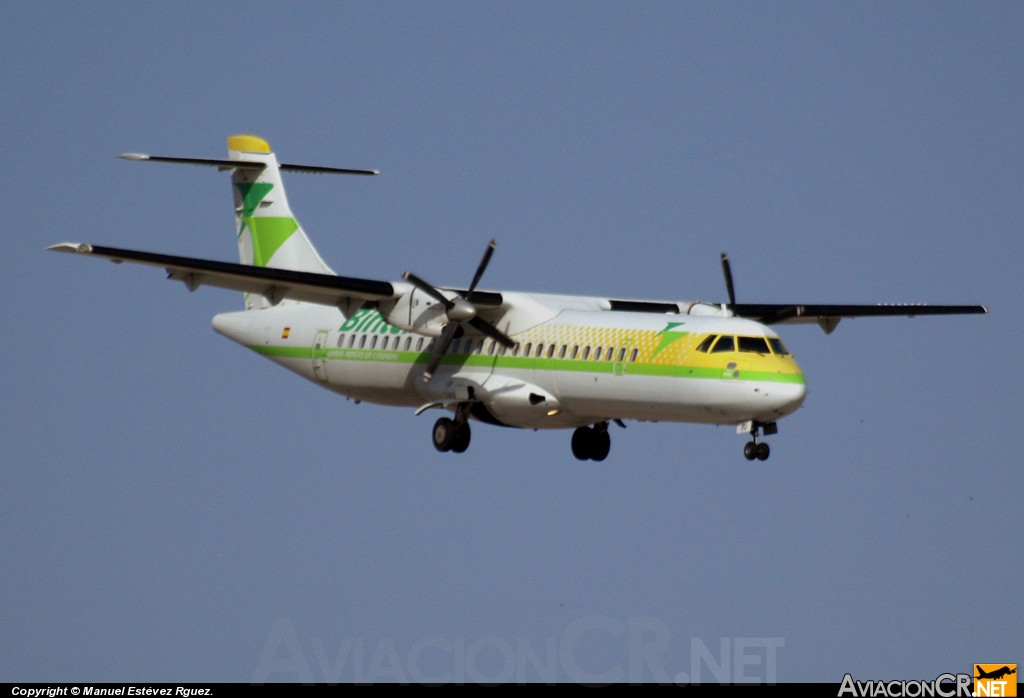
829, 315
274, 284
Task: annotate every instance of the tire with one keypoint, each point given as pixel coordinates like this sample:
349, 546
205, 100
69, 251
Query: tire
461, 441
763, 451
750, 450
600, 445
444, 434
582, 439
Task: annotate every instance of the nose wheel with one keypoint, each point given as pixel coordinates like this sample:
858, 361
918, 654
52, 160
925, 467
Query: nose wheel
758, 450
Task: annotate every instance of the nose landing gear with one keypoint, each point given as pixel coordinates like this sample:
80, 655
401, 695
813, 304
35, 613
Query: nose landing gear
755, 449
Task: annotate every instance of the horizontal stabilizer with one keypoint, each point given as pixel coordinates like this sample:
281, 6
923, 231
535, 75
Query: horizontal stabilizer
243, 165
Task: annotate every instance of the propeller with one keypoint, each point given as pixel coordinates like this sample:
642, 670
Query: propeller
459, 311
778, 313
727, 270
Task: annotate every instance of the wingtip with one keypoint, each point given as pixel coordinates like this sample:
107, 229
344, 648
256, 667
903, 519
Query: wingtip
78, 247
133, 156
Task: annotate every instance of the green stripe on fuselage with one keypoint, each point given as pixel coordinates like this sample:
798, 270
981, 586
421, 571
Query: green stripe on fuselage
498, 362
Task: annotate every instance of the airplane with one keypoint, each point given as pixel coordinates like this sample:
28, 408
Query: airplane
514, 359
996, 674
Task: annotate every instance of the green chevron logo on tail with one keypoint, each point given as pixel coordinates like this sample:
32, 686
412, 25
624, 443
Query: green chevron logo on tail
268, 234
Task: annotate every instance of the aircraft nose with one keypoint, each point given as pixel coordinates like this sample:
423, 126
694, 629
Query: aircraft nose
789, 397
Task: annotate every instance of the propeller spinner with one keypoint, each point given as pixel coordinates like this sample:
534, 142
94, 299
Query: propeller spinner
459, 311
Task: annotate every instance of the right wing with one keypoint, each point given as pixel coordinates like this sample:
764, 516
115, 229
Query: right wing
274, 284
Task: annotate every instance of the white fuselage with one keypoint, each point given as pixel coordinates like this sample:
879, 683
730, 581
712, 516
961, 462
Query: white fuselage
575, 367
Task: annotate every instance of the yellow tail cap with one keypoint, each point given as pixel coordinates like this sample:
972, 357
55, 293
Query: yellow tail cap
247, 143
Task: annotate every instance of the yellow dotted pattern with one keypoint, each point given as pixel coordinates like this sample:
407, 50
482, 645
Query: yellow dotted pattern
678, 349
645, 341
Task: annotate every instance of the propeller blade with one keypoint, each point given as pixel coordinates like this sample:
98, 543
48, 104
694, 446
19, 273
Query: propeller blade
481, 268
426, 288
484, 327
727, 270
440, 349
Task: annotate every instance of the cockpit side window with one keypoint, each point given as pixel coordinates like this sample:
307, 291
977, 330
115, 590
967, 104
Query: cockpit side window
777, 346
706, 344
754, 345
724, 344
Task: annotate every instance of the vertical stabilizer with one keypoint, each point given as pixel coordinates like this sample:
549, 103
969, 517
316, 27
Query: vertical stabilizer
268, 233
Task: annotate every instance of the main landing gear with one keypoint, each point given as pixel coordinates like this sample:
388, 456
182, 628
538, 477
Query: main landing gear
451, 435
759, 449
591, 443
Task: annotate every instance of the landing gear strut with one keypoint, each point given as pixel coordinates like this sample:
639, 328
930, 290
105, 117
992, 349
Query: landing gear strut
759, 449
591, 443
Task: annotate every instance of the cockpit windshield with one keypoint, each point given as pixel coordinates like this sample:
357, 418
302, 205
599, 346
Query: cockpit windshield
753, 345
715, 344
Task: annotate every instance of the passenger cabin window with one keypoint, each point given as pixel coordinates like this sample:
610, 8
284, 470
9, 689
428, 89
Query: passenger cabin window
341, 341
632, 356
551, 351
622, 354
753, 345
597, 354
724, 344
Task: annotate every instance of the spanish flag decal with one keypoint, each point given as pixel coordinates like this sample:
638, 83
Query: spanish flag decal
285, 332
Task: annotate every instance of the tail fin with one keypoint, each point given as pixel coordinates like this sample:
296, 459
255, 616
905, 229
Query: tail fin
268, 233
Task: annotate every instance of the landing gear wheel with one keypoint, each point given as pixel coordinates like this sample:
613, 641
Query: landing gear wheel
600, 445
461, 441
762, 451
444, 434
591, 443
581, 439
750, 450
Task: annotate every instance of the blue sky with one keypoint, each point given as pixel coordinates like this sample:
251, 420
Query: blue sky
175, 508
